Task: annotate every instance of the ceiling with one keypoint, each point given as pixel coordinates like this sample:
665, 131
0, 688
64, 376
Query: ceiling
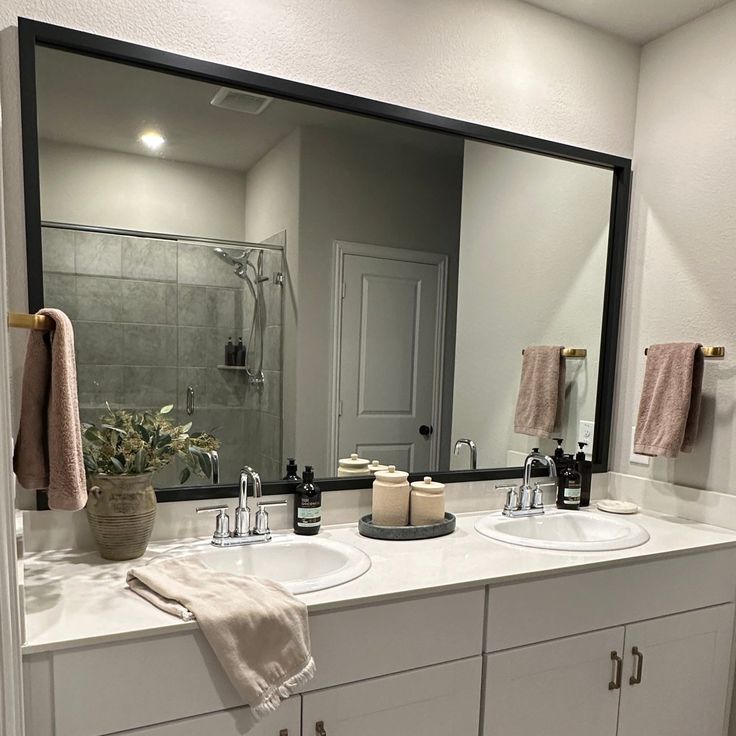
103, 104
636, 20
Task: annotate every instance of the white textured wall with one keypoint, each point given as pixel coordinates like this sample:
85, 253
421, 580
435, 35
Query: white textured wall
533, 246
497, 62
89, 186
682, 244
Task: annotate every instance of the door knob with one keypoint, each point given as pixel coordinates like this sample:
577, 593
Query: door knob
426, 430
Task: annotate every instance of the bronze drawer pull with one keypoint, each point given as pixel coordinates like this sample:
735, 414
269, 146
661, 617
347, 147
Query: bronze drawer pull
618, 663
635, 679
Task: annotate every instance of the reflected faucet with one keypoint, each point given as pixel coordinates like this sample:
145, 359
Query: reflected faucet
473, 451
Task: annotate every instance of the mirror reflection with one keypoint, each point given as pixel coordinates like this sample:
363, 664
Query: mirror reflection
302, 282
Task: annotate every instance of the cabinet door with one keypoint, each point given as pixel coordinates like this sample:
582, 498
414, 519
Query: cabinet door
565, 687
434, 701
286, 721
684, 661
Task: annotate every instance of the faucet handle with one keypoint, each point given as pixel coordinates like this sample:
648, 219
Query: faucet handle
222, 522
261, 526
512, 497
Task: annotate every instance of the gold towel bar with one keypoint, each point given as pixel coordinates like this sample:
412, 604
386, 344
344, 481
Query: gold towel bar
709, 351
29, 321
571, 352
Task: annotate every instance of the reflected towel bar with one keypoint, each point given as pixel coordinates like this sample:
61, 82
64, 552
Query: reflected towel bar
709, 351
30, 321
571, 353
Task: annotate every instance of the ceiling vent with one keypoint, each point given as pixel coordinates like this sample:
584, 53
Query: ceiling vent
240, 101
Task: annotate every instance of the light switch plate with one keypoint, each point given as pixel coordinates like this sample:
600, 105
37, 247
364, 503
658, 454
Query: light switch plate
634, 457
586, 432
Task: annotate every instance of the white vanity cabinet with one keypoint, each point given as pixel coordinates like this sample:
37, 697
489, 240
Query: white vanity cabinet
511, 659
677, 679
433, 701
664, 677
652, 675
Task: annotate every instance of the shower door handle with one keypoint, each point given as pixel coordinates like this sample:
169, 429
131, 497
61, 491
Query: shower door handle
190, 400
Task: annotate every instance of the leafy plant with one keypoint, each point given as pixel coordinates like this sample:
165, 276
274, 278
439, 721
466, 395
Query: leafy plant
134, 442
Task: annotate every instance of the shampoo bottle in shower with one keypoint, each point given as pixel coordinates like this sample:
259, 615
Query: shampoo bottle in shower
230, 350
240, 353
307, 504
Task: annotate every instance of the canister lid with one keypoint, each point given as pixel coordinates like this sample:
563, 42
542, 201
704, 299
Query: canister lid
376, 467
428, 485
353, 461
391, 475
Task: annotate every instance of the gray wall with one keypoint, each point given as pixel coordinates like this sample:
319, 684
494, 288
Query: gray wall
91, 186
532, 267
365, 191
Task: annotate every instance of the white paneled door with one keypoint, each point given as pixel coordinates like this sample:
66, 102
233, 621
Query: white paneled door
389, 340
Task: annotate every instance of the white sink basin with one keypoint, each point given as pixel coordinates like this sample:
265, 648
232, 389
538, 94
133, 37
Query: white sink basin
564, 530
300, 564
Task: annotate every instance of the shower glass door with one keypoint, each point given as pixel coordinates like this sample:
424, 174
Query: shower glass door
152, 318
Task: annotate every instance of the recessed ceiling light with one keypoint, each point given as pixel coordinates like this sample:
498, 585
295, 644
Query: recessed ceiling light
152, 139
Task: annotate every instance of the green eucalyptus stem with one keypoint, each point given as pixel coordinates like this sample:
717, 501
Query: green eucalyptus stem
135, 442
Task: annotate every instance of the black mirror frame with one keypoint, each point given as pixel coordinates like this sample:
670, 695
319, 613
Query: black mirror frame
32, 33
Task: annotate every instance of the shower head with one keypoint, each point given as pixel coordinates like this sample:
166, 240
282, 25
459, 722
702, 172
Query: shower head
232, 260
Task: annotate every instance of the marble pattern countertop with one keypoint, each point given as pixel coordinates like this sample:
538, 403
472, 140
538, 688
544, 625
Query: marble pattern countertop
75, 598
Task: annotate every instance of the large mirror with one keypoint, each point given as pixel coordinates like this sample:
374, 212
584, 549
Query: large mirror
308, 282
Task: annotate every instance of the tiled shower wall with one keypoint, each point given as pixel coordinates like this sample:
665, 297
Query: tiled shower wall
152, 317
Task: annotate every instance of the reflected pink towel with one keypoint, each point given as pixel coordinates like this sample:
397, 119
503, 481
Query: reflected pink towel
541, 391
669, 409
48, 451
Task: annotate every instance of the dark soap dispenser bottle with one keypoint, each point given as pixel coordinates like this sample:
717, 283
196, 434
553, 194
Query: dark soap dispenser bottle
585, 468
307, 504
292, 471
568, 487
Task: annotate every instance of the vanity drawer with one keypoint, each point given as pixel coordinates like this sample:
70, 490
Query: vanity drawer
539, 610
286, 721
114, 687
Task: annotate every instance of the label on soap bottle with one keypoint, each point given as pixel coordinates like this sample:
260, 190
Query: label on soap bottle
311, 516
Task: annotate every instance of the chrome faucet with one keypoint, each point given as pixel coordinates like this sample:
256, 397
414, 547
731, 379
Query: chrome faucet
527, 500
473, 451
243, 533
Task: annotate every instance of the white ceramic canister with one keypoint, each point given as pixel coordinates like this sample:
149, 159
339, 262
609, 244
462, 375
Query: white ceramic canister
391, 492
427, 502
375, 467
352, 465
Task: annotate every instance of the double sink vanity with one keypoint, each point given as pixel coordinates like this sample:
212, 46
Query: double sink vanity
590, 621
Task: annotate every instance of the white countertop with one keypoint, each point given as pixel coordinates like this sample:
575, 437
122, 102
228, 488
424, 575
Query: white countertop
75, 598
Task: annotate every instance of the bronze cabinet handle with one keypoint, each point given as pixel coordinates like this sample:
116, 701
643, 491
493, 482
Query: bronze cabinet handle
635, 679
618, 663
319, 728
284, 732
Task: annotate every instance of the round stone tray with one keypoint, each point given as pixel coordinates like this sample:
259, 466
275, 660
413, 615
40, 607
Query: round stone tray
403, 533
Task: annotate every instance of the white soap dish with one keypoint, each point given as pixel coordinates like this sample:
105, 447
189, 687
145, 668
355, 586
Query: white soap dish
617, 507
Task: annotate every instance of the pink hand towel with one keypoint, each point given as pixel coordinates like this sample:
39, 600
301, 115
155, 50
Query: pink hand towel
541, 391
48, 451
669, 409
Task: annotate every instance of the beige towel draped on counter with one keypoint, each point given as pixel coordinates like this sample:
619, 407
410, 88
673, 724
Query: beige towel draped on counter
541, 391
48, 450
669, 409
256, 628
